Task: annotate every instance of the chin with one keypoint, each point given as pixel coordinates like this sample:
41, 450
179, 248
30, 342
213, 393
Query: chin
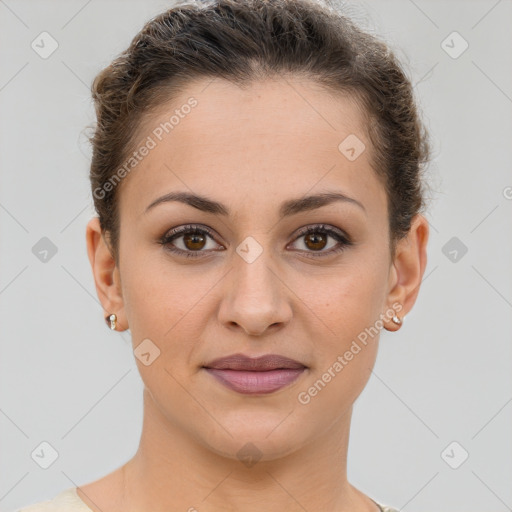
254, 439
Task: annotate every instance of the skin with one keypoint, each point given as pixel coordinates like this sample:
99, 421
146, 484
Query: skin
250, 149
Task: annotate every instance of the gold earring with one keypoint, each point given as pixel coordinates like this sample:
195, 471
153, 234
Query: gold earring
396, 320
111, 321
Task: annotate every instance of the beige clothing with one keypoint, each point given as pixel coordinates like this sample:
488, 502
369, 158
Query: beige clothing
69, 501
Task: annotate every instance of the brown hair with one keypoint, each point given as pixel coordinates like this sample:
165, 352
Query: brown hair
245, 40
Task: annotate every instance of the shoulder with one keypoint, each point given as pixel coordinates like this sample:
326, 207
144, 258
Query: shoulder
385, 508
66, 501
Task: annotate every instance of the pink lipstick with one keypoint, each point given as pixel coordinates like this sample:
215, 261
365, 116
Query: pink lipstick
249, 375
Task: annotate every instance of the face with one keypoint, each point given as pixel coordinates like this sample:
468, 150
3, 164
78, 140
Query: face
239, 273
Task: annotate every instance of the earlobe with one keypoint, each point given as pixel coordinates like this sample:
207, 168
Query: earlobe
408, 267
105, 273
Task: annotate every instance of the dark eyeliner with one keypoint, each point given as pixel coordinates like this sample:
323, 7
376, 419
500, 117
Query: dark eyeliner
177, 232
338, 235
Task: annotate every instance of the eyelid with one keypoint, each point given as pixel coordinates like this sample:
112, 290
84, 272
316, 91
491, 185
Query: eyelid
322, 227
179, 231
336, 233
343, 240
186, 228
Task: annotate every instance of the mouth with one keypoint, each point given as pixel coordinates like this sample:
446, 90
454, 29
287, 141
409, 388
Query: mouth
261, 375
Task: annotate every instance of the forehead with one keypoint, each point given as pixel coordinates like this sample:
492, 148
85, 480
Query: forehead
282, 137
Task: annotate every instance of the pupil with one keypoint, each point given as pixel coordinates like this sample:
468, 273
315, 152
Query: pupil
316, 239
194, 239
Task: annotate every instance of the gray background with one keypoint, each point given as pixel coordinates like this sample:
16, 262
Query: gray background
444, 377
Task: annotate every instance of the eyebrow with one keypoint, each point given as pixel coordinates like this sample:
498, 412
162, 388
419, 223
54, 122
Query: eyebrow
288, 208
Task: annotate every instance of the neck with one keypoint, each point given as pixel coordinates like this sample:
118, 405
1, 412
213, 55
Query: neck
172, 470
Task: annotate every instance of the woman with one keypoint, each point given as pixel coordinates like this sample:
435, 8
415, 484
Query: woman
257, 174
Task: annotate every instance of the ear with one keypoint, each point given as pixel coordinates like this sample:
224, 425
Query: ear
407, 269
106, 274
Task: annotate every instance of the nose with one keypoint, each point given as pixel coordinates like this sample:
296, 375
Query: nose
256, 299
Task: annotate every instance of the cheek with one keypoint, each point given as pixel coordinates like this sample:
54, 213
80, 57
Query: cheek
153, 298
347, 301
348, 306
168, 305
160, 311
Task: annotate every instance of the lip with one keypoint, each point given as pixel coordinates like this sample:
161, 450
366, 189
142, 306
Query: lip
263, 363
251, 382
255, 375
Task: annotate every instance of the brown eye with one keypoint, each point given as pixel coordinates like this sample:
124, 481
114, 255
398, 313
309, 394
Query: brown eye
190, 241
322, 240
315, 241
194, 241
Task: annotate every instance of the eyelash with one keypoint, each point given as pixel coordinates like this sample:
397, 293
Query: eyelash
194, 229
